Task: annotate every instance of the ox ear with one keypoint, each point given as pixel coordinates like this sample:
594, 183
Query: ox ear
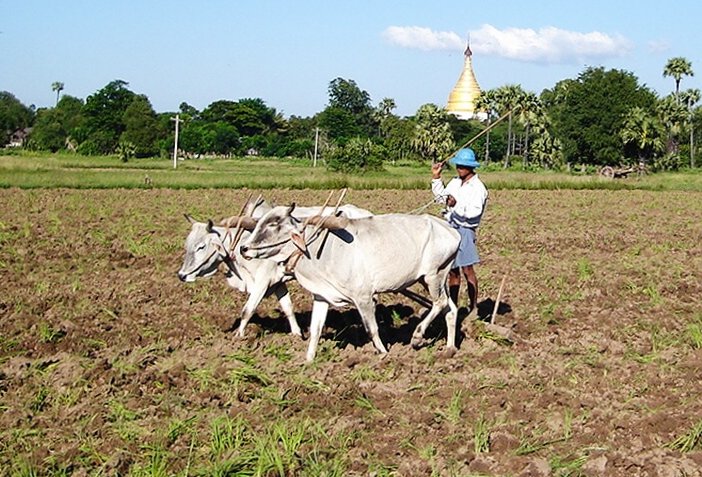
189, 218
210, 226
299, 242
247, 223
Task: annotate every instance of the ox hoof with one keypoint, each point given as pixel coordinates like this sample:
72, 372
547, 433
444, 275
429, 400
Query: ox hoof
449, 352
418, 342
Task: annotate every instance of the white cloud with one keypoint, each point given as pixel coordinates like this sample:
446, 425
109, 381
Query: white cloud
423, 38
658, 46
546, 45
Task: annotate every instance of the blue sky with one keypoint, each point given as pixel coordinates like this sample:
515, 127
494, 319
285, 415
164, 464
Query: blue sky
287, 52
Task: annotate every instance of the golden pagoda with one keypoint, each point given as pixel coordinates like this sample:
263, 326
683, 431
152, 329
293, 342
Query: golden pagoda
461, 101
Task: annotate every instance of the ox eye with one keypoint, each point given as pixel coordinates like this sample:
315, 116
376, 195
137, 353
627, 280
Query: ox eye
200, 247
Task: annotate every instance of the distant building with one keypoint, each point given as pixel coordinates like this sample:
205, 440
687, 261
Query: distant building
461, 101
19, 137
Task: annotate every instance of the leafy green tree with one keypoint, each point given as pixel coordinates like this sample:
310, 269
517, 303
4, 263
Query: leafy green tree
48, 132
301, 128
250, 116
349, 112
220, 138
60, 127
300, 137
13, 116
57, 128
272, 121
190, 139
677, 68
247, 120
188, 112
346, 94
58, 87
104, 114
222, 110
432, 139
72, 108
589, 112
340, 124
141, 127
397, 137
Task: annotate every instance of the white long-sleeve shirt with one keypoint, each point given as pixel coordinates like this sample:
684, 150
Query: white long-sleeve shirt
471, 198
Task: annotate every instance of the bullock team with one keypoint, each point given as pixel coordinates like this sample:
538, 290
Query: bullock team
345, 255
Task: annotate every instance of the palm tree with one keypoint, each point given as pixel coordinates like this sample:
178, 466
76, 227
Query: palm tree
386, 107
383, 112
546, 149
58, 87
487, 102
691, 97
677, 68
507, 98
672, 114
432, 135
530, 110
644, 132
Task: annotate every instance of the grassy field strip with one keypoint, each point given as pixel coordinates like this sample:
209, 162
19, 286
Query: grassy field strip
71, 171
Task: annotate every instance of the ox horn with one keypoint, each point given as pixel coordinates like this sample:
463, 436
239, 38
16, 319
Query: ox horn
189, 218
246, 223
329, 222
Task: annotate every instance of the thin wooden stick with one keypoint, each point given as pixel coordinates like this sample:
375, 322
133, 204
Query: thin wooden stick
474, 138
497, 302
326, 231
321, 212
239, 232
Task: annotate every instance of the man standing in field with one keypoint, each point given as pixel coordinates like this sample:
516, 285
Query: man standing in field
465, 197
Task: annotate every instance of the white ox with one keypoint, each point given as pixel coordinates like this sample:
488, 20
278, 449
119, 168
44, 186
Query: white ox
357, 260
208, 246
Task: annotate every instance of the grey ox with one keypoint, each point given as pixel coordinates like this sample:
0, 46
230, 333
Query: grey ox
208, 246
358, 259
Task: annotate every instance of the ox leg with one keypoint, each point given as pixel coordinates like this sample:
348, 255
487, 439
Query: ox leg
451, 321
252, 303
319, 316
436, 285
281, 292
367, 311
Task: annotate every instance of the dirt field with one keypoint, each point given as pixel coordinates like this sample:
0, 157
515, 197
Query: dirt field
110, 366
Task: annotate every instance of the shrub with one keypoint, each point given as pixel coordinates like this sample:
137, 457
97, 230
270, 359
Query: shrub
358, 155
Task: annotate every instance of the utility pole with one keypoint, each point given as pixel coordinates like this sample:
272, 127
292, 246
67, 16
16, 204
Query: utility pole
175, 146
316, 142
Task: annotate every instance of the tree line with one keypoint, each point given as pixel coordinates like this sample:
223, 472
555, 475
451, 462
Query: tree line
602, 117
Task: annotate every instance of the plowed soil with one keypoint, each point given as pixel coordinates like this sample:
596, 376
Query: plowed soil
110, 366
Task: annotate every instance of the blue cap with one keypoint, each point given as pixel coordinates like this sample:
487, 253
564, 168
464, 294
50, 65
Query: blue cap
465, 157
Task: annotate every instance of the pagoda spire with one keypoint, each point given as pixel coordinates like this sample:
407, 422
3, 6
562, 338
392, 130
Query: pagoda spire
461, 101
